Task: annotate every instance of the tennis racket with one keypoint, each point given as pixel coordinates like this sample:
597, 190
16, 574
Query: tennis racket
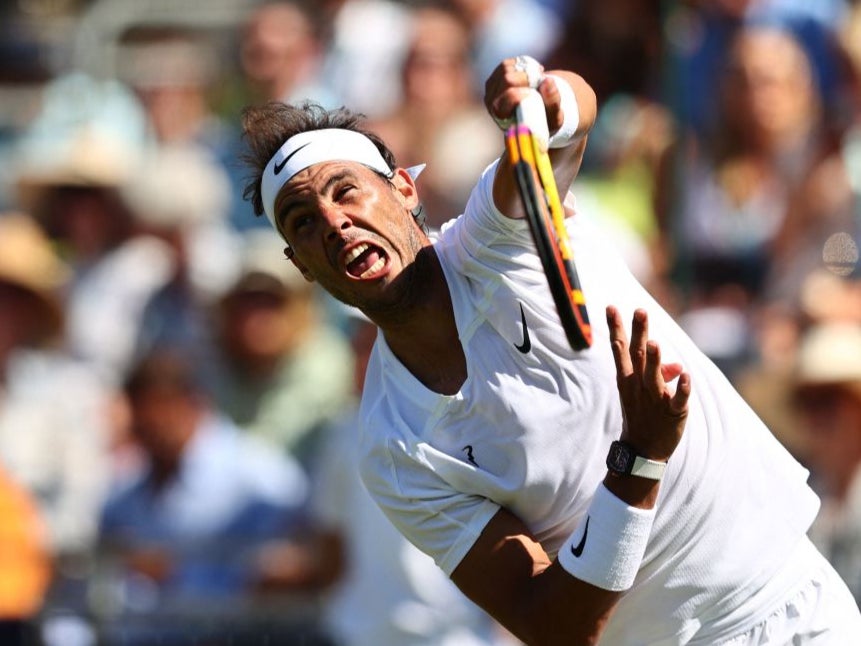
526, 144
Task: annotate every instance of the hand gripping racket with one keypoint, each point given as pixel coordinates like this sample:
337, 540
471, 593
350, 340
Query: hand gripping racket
526, 143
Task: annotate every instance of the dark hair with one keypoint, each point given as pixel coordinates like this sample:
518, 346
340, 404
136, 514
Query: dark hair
164, 369
267, 127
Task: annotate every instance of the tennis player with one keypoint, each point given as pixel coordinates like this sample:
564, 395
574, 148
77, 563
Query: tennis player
673, 518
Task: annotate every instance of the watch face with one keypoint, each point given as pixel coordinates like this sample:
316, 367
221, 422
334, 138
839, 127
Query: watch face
619, 457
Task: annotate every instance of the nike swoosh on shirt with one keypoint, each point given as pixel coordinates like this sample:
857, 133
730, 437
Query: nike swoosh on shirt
279, 167
578, 549
526, 346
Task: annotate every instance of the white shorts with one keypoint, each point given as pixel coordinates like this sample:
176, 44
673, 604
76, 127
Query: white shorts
820, 612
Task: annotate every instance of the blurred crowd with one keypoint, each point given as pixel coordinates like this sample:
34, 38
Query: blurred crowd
177, 404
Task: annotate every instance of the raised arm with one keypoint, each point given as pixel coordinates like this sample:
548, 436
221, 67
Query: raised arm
541, 601
505, 89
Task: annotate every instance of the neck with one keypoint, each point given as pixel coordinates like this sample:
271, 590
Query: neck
423, 334
163, 472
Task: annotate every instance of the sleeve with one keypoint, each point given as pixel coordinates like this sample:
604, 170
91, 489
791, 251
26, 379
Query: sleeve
482, 219
485, 245
438, 519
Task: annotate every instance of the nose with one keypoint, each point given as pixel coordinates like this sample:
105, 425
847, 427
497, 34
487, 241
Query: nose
336, 221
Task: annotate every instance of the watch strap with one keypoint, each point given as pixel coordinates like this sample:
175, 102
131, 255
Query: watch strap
645, 468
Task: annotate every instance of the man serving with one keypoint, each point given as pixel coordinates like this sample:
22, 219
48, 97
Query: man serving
505, 455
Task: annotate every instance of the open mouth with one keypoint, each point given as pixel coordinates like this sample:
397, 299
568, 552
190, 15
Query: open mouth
365, 260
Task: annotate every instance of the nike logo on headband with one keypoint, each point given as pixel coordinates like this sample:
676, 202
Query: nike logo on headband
279, 167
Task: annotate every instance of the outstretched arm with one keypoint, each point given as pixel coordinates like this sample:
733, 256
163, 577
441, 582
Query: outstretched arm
505, 89
507, 571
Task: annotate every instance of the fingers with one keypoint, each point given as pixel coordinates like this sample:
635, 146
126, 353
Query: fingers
639, 337
505, 103
506, 87
670, 371
521, 71
552, 103
653, 380
679, 402
619, 343
653, 417
643, 357
656, 377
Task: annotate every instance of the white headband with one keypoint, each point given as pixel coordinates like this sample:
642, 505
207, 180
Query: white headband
313, 147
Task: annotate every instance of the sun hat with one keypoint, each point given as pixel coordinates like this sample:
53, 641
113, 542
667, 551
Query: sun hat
830, 354
176, 186
28, 261
89, 158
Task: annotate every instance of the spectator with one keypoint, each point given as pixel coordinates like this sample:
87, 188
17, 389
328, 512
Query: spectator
828, 395
54, 420
173, 71
419, 605
736, 199
506, 28
280, 54
75, 195
617, 44
364, 46
822, 224
439, 113
700, 34
170, 71
180, 196
737, 190
24, 562
190, 526
283, 371
53, 414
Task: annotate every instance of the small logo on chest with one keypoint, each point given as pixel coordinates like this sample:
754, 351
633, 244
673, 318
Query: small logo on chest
469, 456
526, 346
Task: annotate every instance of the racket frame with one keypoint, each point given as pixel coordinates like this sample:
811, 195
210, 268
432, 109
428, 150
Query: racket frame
536, 185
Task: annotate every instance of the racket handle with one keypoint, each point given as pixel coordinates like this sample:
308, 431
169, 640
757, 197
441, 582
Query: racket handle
531, 113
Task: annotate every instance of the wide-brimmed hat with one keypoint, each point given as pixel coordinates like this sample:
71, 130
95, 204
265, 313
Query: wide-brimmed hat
28, 261
88, 158
176, 186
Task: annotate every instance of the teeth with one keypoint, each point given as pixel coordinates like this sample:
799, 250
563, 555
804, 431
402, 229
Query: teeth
355, 252
377, 266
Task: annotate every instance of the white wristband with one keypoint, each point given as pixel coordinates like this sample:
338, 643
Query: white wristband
570, 114
608, 546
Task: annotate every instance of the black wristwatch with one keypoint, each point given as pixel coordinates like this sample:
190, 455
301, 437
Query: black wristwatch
623, 460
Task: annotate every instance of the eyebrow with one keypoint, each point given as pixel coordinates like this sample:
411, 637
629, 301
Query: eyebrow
284, 211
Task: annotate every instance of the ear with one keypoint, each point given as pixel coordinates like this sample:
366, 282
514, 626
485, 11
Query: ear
302, 268
405, 186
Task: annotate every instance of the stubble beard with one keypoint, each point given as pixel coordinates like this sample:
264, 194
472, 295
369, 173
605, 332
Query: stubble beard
405, 293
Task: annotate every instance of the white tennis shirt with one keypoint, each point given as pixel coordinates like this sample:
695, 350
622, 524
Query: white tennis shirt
532, 424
